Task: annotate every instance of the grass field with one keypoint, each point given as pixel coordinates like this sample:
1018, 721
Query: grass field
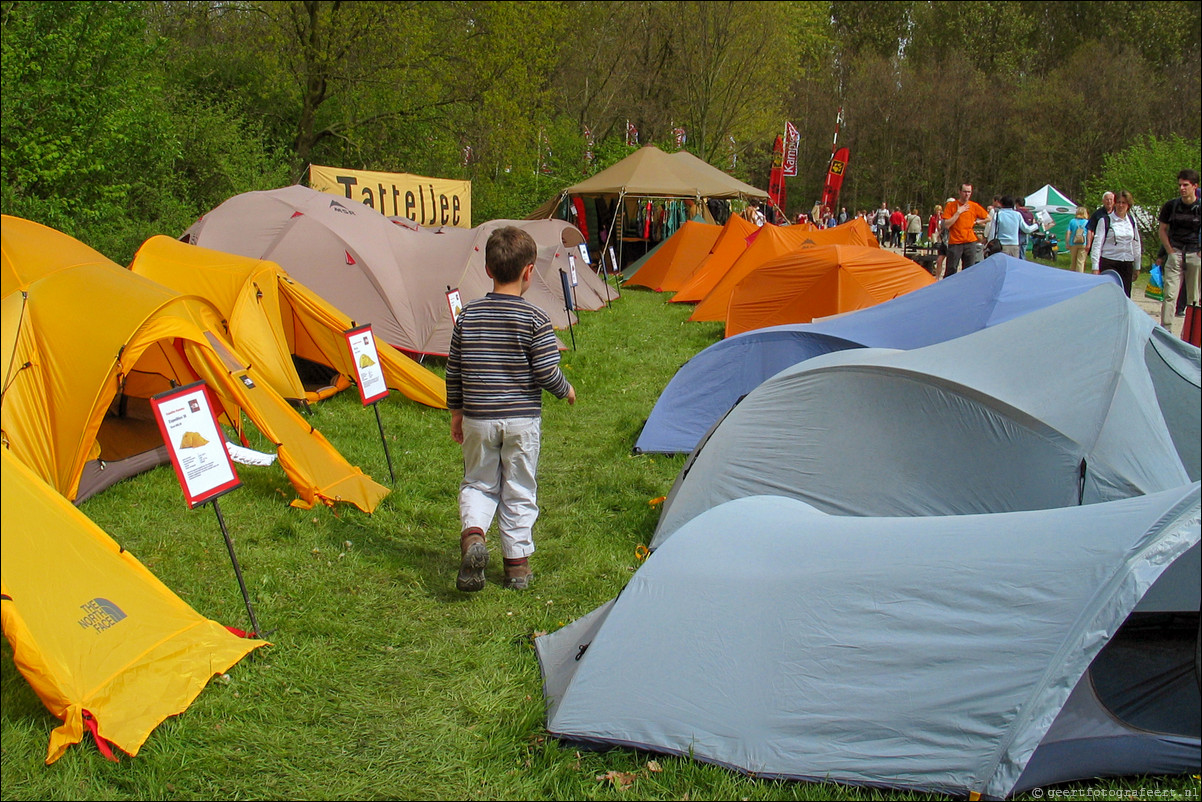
383, 681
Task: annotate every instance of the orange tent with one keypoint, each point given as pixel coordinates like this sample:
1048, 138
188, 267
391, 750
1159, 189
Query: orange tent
731, 242
674, 261
774, 241
820, 282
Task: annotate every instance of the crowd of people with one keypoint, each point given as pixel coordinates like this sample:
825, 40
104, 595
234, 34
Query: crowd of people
962, 232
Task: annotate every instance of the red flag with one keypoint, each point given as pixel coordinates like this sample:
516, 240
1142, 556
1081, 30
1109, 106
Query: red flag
776, 178
834, 178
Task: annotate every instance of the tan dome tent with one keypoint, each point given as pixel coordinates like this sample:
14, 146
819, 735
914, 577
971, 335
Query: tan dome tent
389, 272
86, 344
272, 318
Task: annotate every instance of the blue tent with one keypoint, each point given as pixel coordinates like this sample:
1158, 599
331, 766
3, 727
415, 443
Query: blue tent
994, 291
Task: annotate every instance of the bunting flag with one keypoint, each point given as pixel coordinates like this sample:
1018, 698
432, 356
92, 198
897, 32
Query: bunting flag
834, 178
776, 179
792, 141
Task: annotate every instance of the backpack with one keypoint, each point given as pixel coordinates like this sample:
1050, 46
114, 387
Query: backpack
1079, 236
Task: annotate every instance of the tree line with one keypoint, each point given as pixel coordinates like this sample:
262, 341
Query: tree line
123, 120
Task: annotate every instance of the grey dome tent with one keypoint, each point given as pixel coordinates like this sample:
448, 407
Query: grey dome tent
998, 289
966, 655
1083, 401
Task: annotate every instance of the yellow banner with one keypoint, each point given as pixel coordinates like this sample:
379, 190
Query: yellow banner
429, 201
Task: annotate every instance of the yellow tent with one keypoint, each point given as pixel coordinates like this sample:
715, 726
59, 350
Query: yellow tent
109, 646
271, 317
85, 345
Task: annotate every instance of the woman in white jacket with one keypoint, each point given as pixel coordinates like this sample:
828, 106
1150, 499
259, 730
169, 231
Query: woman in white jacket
1116, 243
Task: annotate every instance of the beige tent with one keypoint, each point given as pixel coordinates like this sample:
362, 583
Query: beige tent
389, 272
651, 173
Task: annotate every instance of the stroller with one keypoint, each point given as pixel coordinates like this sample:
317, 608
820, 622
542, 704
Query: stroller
1044, 245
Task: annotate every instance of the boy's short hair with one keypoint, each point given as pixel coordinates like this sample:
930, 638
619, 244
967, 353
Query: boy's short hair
1188, 175
508, 251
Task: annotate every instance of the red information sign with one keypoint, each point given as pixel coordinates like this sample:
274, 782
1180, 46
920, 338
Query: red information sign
195, 442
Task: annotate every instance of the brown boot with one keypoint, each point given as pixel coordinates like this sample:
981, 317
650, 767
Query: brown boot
518, 574
475, 560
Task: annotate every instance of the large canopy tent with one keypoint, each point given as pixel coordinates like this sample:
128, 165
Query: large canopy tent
976, 656
650, 173
1047, 200
391, 273
87, 343
1081, 402
273, 319
998, 289
106, 646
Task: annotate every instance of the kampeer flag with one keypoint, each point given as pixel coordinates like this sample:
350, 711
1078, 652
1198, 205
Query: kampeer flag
834, 178
792, 141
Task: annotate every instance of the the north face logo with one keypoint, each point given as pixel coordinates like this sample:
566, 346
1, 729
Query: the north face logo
338, 207
100, 614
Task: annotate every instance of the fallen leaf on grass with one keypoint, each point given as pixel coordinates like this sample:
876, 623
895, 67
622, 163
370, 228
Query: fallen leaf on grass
654, 766
620, 779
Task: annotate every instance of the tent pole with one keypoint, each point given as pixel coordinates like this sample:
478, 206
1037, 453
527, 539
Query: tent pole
229, 545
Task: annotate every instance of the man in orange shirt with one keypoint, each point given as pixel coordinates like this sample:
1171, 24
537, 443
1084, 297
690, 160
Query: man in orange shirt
963, 249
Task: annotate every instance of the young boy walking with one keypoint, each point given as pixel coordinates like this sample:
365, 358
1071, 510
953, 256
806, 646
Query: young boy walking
503, 355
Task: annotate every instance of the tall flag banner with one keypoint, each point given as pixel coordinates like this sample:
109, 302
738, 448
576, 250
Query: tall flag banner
776, 178
589, 155
792, 141
834, 179
734, 155
632, 134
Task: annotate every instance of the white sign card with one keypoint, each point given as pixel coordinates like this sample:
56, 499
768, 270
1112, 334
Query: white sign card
584, 253
195, 443
572, 270
455, 302
366, 360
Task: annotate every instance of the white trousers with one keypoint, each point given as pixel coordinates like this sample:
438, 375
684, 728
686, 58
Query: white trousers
500, 459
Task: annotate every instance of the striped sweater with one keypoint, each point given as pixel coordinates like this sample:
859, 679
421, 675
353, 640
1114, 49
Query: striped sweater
503, 355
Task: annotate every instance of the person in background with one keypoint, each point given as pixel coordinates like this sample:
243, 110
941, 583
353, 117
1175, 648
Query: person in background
1099, 213
1180, 233
913, 228
897, 225
503, 355
1028, 218
1076, 236
959, 217
1008, 225
842, 215
1116, 243
882, 224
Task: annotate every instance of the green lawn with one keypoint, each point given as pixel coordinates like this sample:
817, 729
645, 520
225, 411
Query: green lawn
383, 681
